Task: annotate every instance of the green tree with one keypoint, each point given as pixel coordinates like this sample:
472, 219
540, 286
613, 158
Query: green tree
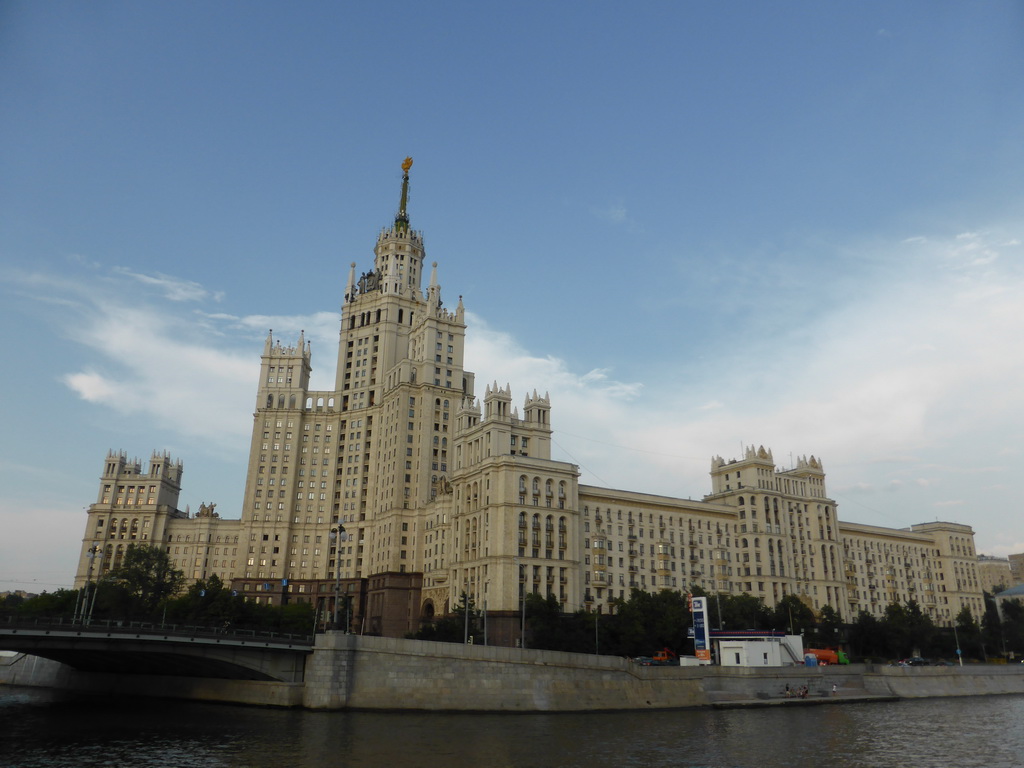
793, 615
741, 611
646, 623
543, 618
992, 627
553, 630
828, 632
451, 628
207, 602
1013, 627
867, 637
48, 604
907, 630
968, 632
10, 603
144, 579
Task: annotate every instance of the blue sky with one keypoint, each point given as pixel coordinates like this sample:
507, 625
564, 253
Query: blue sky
699, 226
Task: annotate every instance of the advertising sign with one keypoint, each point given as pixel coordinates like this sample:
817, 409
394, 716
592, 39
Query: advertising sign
701, 646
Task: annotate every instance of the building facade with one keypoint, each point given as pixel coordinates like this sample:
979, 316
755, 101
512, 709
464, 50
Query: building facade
995, 573
403, 490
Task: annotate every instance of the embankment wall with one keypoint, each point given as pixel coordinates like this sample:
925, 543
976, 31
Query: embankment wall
349, 671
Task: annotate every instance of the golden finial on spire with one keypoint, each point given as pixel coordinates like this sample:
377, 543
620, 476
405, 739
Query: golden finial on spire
402, 219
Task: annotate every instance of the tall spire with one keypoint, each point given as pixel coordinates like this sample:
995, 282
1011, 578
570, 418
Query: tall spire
402, 217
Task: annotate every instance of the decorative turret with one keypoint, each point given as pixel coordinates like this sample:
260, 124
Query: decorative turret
350, 289
433, 290
755, 469
162, 465
497, 402
284, 373
468, 413
538, 409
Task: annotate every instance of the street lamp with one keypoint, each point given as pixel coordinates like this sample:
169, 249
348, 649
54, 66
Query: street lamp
521, 587
338, 535
94, 552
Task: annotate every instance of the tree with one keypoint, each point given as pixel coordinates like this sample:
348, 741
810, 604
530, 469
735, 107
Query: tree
452, 628
867, 636
144, 579
828, 631
742, 611
907, 629
646, 623
793, 615
968, 632
48, 604
1013, 626
992, 627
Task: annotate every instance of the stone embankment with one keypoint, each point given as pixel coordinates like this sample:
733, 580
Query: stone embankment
353, 672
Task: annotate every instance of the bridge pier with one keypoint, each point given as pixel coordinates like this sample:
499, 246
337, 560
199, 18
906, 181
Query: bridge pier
329, 671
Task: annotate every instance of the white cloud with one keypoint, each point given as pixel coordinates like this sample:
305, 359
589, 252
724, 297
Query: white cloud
92, 386
154, 363
904, 390
173, 288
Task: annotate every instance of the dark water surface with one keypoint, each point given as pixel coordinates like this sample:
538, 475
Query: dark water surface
40, 728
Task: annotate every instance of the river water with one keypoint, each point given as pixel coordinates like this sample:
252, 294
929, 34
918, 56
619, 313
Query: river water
44, 729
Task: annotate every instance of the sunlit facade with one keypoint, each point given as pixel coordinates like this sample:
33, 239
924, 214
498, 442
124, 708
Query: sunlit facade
403, 488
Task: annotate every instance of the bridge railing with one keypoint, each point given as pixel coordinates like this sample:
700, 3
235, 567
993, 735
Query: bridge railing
104, 626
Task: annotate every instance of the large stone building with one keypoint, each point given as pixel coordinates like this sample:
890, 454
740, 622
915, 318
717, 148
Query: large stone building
995, 573
403, 489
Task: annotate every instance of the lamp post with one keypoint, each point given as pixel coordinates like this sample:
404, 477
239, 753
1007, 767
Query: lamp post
338, 535
94, 552
959, 653
521, 587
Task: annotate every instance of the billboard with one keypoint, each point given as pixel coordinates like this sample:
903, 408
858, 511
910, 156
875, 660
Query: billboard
701, 644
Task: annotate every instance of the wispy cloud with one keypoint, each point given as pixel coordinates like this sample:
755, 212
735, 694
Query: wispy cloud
902, 389
173, 288
615, 213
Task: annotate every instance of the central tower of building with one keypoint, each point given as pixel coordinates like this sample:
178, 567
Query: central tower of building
399, 380
374, 450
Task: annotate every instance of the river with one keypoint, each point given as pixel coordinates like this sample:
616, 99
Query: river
45, 729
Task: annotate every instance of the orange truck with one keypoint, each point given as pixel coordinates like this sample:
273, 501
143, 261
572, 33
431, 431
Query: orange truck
665, 657
828, 655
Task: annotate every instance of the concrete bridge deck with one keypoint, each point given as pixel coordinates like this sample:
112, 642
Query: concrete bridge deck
123, 647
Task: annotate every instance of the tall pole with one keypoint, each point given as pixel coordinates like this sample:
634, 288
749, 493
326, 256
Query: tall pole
78, 599
97, 551
465, 608
337, 536
522, 601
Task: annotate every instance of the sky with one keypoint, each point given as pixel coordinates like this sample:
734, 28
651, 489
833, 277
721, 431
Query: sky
698, 226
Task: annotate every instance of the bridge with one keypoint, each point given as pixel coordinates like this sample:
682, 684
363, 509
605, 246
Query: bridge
140, 648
